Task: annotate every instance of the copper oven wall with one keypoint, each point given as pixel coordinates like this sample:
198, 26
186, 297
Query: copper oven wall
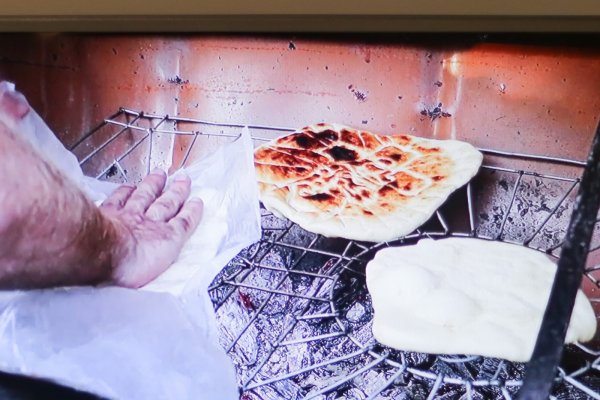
520, 98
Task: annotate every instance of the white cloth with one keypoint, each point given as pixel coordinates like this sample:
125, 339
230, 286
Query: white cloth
155, 343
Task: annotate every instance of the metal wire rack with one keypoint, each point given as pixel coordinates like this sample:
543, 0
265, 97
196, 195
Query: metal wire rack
293, 309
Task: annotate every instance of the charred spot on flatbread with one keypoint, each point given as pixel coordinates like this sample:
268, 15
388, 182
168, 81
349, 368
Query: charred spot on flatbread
340, 153
371, 142
320, 197
402, 140
392, 154
327, 135
323, 201
350, 137
406, 182
305, 141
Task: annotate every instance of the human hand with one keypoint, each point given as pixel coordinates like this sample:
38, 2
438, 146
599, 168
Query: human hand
152, 225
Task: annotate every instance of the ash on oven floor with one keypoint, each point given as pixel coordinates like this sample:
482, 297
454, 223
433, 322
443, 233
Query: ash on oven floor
295, 315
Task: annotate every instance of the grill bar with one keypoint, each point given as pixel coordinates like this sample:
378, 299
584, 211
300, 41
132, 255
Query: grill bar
510, 204
471, 209
266, 302
548, 349
312, 339
582, 387
308, 369
347, 378
436, 387
387, 384
560, 202
318, 307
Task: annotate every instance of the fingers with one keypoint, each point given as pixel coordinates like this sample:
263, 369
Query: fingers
118, 198
147, 192
170, 202
14, 104
186, 221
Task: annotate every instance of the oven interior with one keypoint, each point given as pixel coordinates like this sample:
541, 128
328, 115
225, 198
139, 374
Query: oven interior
293, 309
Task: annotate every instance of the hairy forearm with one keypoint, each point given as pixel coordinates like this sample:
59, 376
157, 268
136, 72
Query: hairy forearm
50, 233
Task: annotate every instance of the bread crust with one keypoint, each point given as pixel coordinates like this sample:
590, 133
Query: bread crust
343, 182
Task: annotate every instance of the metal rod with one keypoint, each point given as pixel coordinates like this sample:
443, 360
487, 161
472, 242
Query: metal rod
582, 387
558, 160
552, 212
458, 360
346, 378
505, 393
269, 354
316, 251
556, 246
316, 316
588, 350
512, 200
94, 130
120, 158
285, 332
492, 152
594, 249
205, 122
538, 175
151, 143
269, 246
271, 293
442, 221
436, 387
549, 345
498, 370
306, 369
121, 170
387, 384
291, 271
471, 208
312, 339
469, 390
102, 146
188, 151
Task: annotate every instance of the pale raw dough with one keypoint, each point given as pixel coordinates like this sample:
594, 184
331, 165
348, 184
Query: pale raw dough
344, 182
466, 296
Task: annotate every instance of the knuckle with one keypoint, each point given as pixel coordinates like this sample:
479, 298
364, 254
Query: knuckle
155, 182
146, 196
179, 189
153, 214
185, 223
162, 206
169, 205
165, 206
162, 209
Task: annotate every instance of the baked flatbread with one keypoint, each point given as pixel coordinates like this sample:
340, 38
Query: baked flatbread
343, 182
466, 296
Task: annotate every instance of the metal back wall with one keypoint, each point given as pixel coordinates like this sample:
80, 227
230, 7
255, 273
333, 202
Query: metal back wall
524, 98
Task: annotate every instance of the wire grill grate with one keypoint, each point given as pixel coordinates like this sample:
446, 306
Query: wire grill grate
293, 310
